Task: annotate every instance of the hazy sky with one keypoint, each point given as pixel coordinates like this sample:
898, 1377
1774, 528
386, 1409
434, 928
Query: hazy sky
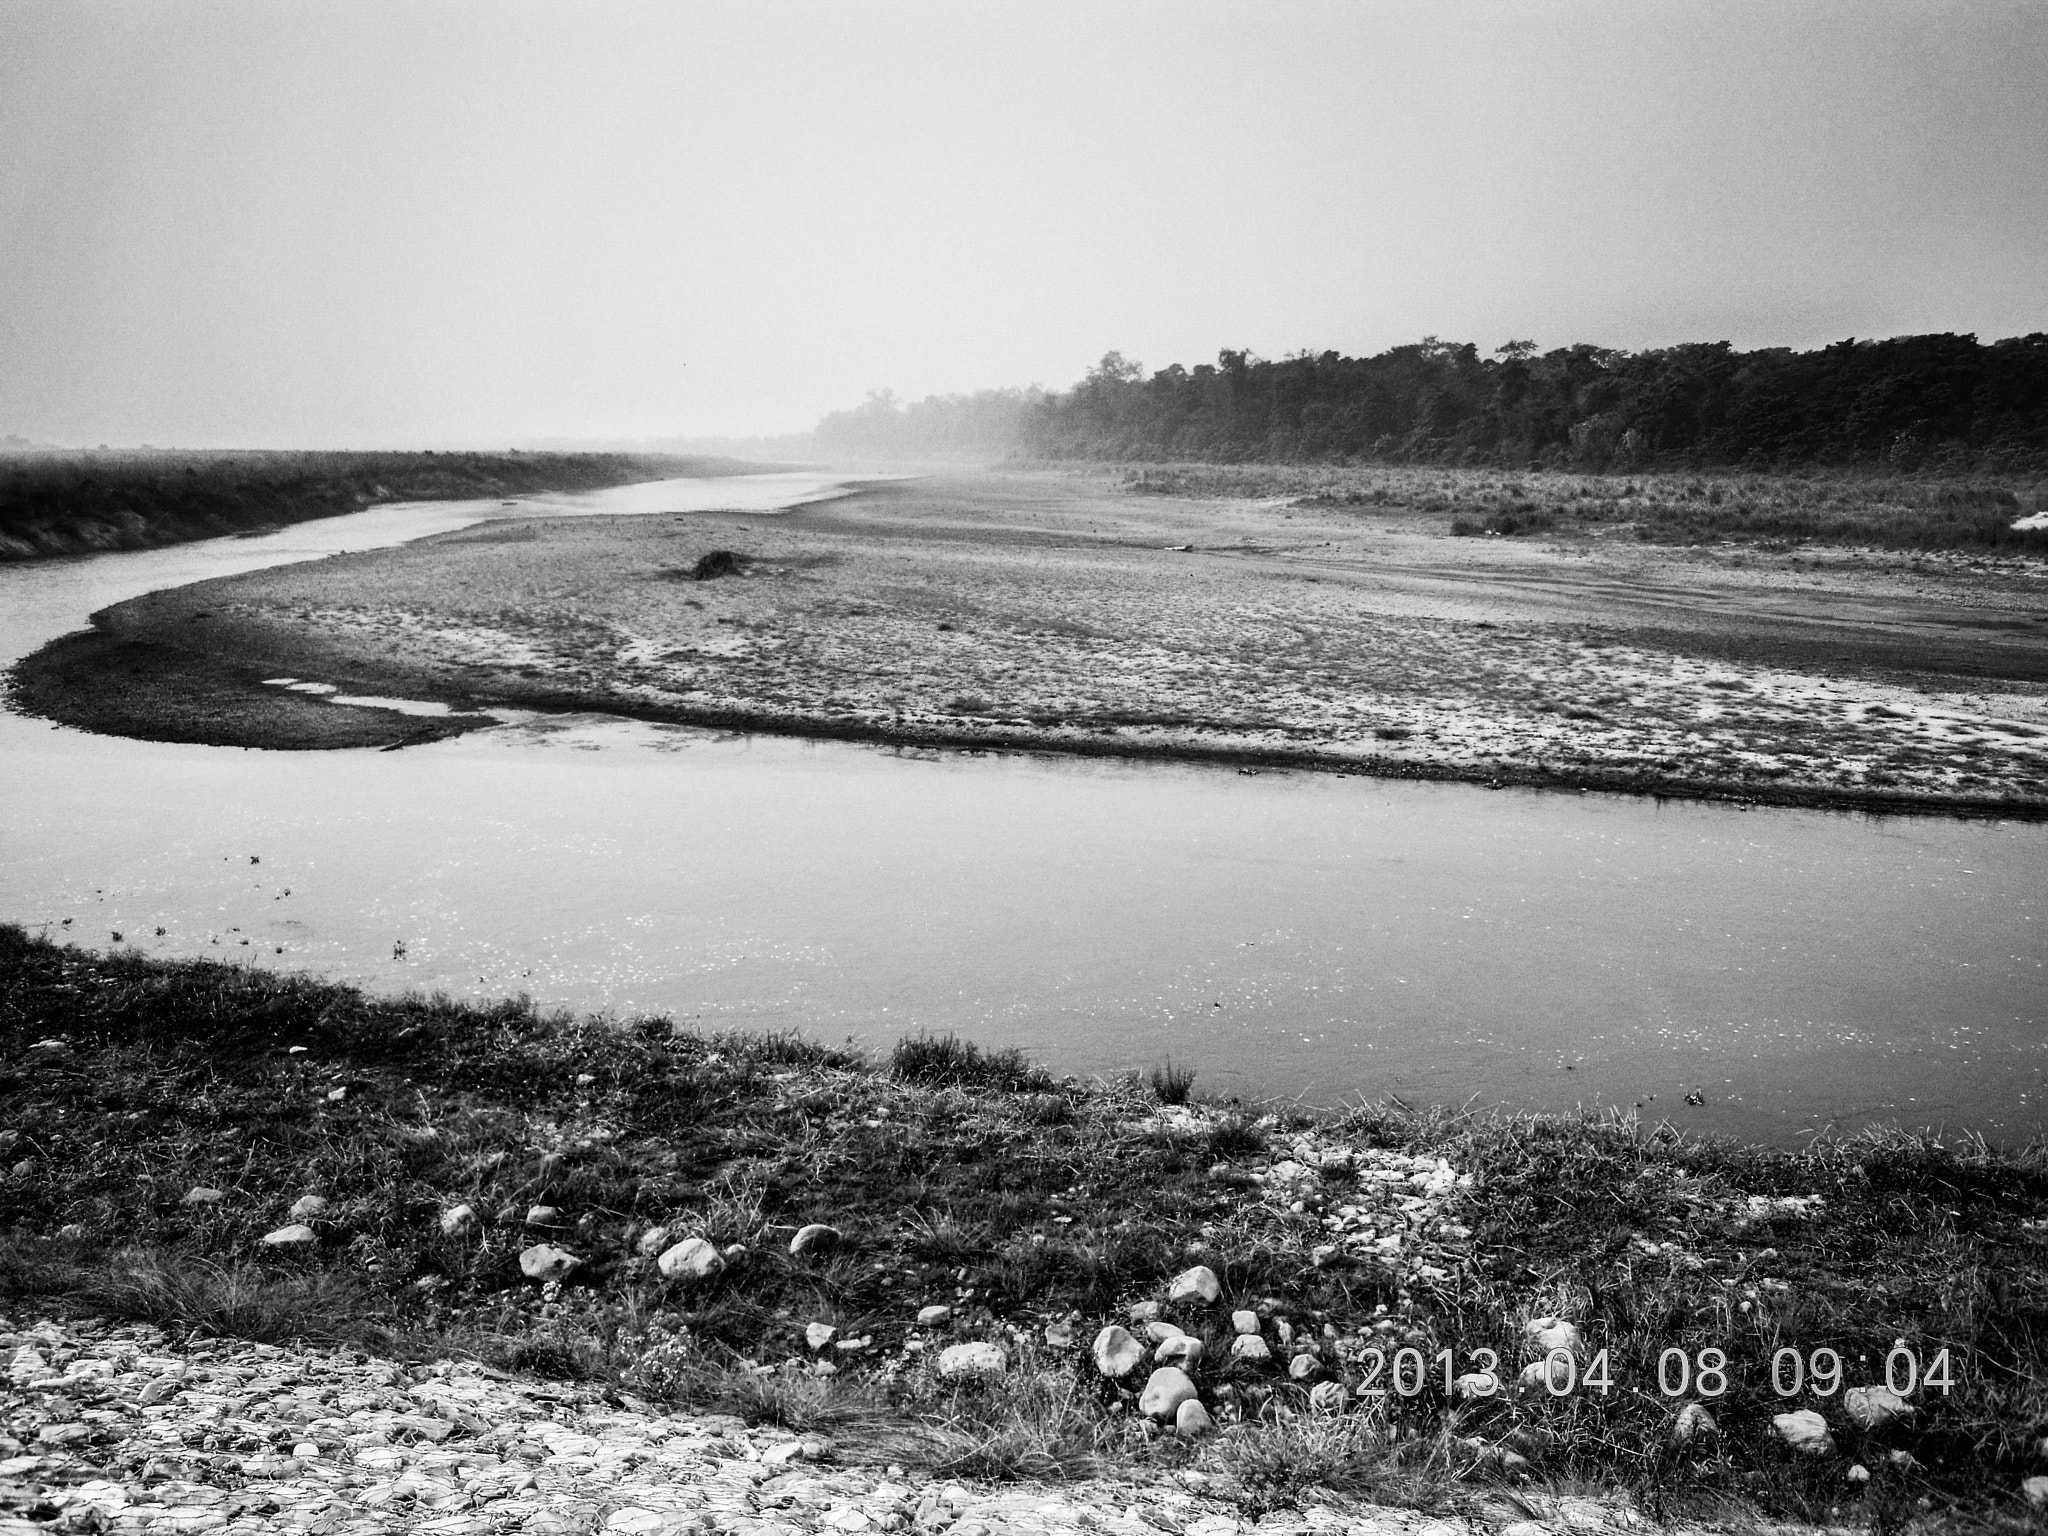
416, 224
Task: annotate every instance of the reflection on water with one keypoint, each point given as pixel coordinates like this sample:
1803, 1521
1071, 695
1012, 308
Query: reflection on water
1285, 933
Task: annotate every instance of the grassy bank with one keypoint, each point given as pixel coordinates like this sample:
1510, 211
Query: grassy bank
1770, 510
1037, 1210
79, 503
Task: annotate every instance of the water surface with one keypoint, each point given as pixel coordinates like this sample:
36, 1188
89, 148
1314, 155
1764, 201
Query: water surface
1284, 933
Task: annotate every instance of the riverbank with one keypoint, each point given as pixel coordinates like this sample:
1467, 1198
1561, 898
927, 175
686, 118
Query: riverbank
58, 503
766, 1227
1076, 612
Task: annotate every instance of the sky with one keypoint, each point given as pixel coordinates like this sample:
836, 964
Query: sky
482, 224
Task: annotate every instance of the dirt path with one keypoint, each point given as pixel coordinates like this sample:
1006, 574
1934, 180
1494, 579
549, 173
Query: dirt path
1052, 609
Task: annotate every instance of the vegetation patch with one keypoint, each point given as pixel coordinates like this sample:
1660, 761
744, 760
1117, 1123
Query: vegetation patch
859, 1220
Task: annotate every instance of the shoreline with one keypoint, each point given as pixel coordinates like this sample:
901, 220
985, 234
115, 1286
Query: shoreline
1028, 613
624, 1202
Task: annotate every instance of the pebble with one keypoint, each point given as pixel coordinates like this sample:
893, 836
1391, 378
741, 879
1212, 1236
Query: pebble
1179, 1350
934, 1316
1693, 1423
297, 1235
651, 1242
1192, 1420
1196, 1284
1167, 1388
1245, 1322
1116, 1352
544, 1262
1249, 1346
1805, 1431
202, 1194
2035, 1491
818, 1335
976, 1358
693, 1259
458, 1221
308, 1207
817, 1236
1874, 1407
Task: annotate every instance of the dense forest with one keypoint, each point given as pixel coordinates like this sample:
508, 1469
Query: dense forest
70, 503
1944, 404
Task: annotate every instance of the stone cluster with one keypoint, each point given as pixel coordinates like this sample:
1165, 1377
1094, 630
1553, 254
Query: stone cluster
117, 1428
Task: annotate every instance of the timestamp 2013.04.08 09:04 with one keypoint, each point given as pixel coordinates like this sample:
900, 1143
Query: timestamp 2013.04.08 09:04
1680, 1373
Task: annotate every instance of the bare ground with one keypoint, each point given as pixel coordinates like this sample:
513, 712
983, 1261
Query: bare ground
1054, 609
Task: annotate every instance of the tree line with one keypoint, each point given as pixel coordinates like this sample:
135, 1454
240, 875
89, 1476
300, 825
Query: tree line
1942, 403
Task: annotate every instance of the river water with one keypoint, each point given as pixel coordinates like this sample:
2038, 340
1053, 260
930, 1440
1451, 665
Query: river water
1288, 934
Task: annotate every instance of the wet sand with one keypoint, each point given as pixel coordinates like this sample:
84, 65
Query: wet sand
1053, 610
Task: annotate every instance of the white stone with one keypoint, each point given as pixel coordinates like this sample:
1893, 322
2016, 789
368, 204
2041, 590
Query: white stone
1329, 1397
1859, 1473
975, 1358
1874, 1407
201, 1194
1301, 1367
1116, 1352
1166, 1389
1144, 1311
545, 1262
1548, 1333
2035, 1491
818, 1335
1191, 1420
1157, 1332
651, 1242
1474, 1385
692, 1259
1549, 1374
307, 1207
1196, 1284
934, 1316
543, 1216
1805, 1431
1245, 1322
297, 1235
815, 1236
1249, 1346
1180, 1350
458, 1221
1693, 1423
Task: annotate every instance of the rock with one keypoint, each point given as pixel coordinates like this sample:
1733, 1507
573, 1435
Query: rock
297, 1235
1144, 1311
1805, 1431
1180, 1350
1059, 1335
734, 1252
816, 1237
978, 1358
934, 1316
543, 1216
458, 1221
1301, 1367
1197, 1284
651, 1242
2035, 1491
818, 1335
1116, 1353
1859, 1473
1693, 1423
692, 1259
201, 1194
71, 1231
544, 1262
1157, 1332
307, 1208
1166, 1389
1874, 1407
1545, 1375
1475, 1385
1548, 1333
1905, 1461
1245, 1322
1329, 1397
1249, 1347
1191, 1420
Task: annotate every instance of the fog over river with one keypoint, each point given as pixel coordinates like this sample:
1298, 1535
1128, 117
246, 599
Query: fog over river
1291, 934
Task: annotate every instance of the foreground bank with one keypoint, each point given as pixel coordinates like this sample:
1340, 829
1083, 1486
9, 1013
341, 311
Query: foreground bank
1063, 611
957, 1265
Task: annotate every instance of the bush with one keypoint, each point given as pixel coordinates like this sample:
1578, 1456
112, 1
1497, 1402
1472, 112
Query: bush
947, 1061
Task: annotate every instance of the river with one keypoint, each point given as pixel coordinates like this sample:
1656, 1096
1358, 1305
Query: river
1293, 934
